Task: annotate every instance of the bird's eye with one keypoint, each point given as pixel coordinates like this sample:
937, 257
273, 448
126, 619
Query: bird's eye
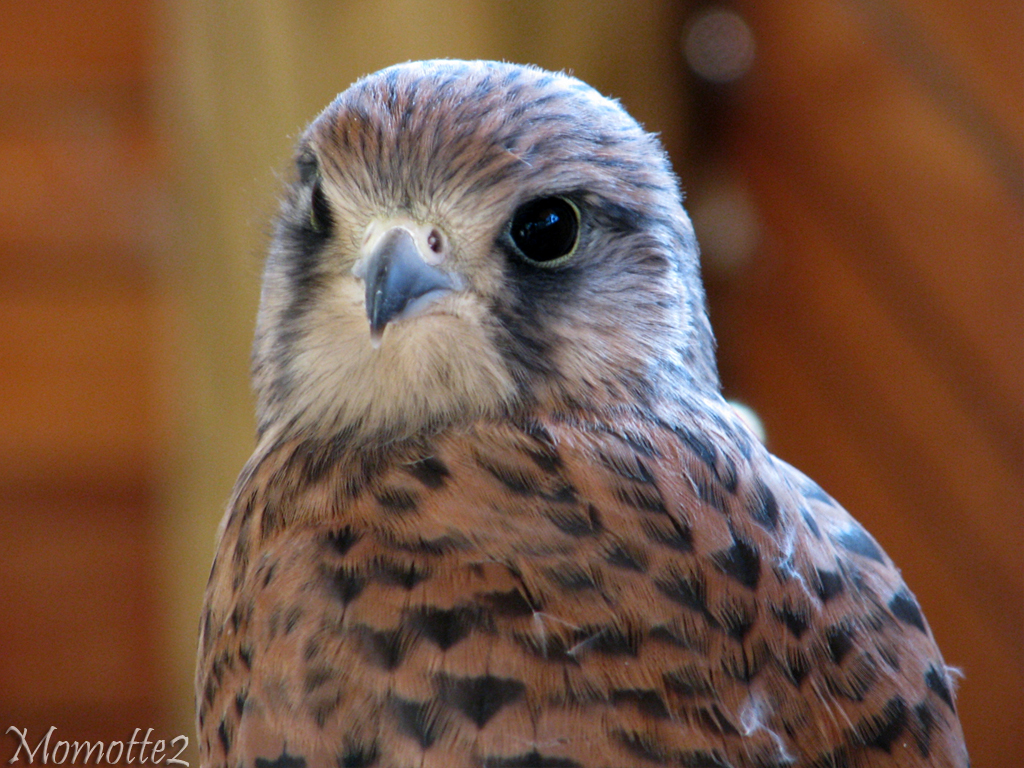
545, 230
320, 219
319, 211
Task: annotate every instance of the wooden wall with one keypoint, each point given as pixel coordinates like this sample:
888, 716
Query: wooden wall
80, 209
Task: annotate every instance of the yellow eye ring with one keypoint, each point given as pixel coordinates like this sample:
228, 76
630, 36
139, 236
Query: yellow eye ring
546, 230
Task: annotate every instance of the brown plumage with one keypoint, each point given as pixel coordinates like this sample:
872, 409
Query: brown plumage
499, 514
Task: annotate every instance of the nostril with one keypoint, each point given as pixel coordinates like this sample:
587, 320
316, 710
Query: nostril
435, 241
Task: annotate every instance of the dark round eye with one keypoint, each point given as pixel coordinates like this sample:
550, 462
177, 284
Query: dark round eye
320, 217
545, 230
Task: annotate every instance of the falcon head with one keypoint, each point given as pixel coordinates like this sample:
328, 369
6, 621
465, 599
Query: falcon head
467, 239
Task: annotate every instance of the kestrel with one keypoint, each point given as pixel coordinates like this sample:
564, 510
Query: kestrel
499, 514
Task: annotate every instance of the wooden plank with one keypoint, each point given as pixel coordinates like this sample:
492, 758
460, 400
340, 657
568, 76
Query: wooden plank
74, 267
96, 188
917, 187
980, 44
76, 400
68, 41
63, 109
71, 206
77, 581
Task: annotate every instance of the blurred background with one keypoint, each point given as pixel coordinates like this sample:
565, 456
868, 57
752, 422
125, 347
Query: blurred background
854, 171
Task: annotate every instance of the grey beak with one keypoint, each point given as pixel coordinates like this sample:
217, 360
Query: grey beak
398, 279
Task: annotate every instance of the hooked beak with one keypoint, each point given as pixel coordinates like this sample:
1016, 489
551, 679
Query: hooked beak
399, 283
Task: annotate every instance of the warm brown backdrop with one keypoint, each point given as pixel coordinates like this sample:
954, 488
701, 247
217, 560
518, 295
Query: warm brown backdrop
872, 315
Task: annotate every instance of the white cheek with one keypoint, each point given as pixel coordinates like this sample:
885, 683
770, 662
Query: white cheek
349, 296
440, 365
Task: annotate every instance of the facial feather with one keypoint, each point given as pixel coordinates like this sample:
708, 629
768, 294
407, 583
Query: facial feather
461, 146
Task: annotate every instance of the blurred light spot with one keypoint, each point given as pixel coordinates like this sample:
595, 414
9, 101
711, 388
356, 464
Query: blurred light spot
719, 45
750, 418
726, 223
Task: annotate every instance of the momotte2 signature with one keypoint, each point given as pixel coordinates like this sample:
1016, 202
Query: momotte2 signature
52, 751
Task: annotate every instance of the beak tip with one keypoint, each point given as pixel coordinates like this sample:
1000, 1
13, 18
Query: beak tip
396, 276
377, 325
